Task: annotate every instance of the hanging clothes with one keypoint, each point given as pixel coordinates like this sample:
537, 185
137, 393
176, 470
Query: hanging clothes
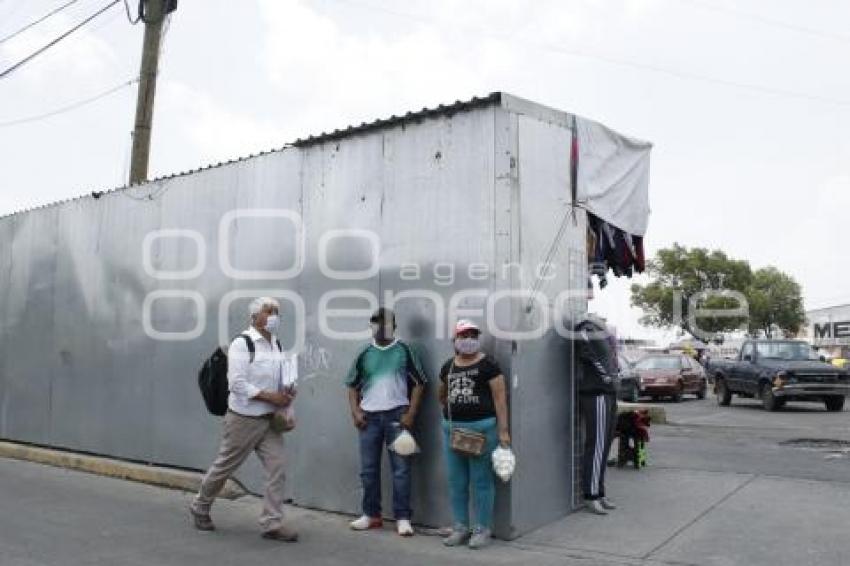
613, 249
640, 261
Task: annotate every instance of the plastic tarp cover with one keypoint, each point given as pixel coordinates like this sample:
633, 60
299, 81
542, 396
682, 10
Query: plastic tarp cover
613, 176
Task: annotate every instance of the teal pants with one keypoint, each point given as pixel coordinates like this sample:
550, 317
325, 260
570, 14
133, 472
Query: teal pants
477, 473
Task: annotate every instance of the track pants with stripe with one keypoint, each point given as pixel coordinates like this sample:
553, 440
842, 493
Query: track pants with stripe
599, 414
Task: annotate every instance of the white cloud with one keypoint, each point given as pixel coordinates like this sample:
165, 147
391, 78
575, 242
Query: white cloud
216, 132
336, 71
80, 57
761, 176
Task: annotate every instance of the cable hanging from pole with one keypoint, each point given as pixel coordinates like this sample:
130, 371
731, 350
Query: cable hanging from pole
6, 72
69, 107
138, 12
38, 21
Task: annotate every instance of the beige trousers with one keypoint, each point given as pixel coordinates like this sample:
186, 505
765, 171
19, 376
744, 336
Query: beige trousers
241, 436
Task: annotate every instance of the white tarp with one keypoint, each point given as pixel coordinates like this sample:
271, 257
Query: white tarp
613, 176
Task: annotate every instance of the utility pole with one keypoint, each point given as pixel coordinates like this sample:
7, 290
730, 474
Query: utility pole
154, 12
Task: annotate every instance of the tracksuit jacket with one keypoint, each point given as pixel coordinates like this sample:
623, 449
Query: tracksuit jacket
595, 359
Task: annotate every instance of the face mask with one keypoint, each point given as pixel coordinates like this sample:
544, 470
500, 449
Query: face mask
272, 323
467, 346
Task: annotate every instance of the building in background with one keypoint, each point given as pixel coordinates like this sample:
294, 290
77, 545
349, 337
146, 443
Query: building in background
829, 330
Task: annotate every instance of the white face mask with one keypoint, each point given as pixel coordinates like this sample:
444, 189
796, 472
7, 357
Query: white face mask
272, 323
467, 346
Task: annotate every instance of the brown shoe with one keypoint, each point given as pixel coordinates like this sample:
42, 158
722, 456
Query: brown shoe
203, 522
283, 534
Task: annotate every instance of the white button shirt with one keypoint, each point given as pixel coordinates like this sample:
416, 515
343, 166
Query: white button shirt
271, 370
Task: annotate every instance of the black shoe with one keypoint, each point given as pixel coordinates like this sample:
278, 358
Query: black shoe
282, 534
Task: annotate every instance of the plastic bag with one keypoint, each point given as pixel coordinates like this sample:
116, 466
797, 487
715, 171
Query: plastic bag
504, 463
404, 444
283, 420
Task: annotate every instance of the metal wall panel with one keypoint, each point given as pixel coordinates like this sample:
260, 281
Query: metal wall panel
6, 235
481, 185
183, 432
542, 389
29, 316
437, 214
82, 327
342, 188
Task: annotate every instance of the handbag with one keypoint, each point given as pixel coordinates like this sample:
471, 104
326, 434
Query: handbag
283, 420
463, 440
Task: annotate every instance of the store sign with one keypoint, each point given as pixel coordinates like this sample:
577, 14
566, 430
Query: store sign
832, 331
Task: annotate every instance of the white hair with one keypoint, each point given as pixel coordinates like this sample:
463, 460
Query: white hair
260, 303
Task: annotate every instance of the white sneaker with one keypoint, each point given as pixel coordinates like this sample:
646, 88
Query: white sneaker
595, 506
480, 538
366, 522
607, 504
405, 529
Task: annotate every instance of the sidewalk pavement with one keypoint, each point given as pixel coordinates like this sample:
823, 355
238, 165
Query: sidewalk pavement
58, 517
687, 517
667, 516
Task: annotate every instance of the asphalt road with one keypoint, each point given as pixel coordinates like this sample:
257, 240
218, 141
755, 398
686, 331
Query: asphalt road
802, 440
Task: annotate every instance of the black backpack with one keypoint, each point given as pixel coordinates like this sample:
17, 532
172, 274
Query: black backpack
212, 379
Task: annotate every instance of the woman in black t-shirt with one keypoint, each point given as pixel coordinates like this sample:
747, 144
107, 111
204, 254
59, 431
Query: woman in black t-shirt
474, 397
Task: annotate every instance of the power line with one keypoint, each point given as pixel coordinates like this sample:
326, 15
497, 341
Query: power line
621, 62
26, 59
69, 107
138, 12
38, 21
768, 21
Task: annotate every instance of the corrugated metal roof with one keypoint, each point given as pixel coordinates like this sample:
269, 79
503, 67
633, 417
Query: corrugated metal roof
425, 113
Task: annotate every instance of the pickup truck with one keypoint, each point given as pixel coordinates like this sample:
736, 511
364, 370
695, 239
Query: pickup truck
777, 371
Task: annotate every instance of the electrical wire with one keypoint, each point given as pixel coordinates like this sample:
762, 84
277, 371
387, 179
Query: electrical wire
768, 21
69, 107
38, 21
611, 60
138, 12
6, 72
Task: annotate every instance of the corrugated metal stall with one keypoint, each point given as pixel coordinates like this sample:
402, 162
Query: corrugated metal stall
104, 321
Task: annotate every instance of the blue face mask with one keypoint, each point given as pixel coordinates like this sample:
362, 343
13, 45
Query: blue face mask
272, 323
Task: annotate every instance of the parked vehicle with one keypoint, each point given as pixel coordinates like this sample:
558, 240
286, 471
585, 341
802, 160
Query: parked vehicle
778, 371
671, 375
628, 385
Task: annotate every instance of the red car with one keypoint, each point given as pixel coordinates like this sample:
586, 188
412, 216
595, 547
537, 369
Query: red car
671, 375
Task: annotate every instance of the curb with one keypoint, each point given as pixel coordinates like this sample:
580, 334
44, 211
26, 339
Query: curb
120, 469
656, 413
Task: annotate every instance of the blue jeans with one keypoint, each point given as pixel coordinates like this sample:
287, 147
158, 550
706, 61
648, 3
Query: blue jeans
381, 429
464, 470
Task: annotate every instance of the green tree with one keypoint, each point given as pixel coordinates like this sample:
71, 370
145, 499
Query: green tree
775, 303
683, 278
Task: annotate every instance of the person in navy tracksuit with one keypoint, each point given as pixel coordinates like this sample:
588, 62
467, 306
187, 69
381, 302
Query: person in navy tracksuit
598, 408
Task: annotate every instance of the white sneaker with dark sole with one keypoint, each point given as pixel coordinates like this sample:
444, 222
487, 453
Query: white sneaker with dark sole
404, 528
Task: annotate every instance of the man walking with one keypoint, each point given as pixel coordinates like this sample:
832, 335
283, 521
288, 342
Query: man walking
258, 373
385, 387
